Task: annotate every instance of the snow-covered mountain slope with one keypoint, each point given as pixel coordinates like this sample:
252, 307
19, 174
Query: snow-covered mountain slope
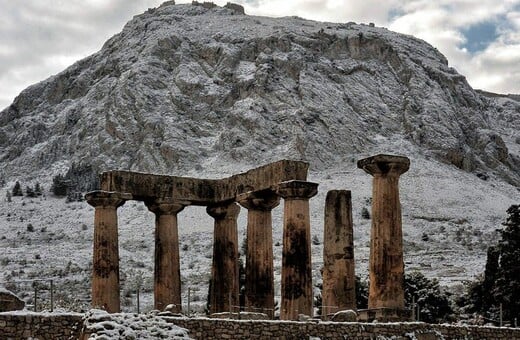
192, 91
185, 86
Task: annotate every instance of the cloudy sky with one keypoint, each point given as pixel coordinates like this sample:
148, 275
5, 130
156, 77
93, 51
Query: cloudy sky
480, 38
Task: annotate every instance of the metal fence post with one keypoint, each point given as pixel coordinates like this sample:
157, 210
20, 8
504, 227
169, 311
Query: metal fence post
52, 296
35, 297
138, 303
189, 297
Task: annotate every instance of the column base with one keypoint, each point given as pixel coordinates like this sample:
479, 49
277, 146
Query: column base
384, 315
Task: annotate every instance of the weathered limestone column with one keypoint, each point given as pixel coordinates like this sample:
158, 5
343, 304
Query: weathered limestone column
224, 288
296, 258
105, 264
259, 258
167, 276
339, 280
386, 245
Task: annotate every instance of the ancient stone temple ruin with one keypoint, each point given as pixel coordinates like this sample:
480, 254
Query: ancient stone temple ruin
259, 191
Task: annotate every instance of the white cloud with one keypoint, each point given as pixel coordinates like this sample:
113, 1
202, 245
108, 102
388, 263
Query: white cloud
41, 38
497, 67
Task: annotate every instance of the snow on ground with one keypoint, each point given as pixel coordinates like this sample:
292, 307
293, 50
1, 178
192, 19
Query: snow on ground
449, 220
130, 326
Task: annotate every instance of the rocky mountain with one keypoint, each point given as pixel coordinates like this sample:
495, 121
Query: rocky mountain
186, 87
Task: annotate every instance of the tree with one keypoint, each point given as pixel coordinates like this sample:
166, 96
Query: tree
17, 189
507, 283
59, 185
434, 305
500, 284
38, 189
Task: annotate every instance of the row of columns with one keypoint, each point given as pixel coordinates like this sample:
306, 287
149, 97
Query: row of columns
386, 266
224, 285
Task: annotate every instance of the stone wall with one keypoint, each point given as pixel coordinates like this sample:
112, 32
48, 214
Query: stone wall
203, 328
40, 326
68, 326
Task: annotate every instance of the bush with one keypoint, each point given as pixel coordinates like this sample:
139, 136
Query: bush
365, 213
29, 192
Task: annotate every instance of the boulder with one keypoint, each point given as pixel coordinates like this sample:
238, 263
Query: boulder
345, 316
9, 301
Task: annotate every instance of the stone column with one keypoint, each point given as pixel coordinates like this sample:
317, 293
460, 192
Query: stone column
224, 287
386, 240
105, 264
167, 276
339, 289
259, 258
296, 257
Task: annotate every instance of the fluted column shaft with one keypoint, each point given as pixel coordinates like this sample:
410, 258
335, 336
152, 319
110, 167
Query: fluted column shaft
167, 272
339, 289
224, 288
105, 264
386, 240
259, 287
296, 287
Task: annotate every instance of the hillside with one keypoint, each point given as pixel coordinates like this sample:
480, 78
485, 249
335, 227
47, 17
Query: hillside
208, 92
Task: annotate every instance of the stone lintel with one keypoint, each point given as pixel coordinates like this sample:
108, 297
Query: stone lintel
384, 164
166, 206
202, 191
264, 200
100, 198
296, 189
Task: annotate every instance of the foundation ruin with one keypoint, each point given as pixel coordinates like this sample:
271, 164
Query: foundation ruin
259, 191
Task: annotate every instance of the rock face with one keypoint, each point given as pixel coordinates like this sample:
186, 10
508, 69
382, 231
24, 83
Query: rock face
10, 302
188, 86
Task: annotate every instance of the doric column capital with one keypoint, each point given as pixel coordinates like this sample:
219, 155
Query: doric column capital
101, 198
166, 206
296, 190
223, 211
384, 164
264, 200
